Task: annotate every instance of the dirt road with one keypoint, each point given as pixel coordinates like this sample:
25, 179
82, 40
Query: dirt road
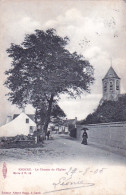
62, 149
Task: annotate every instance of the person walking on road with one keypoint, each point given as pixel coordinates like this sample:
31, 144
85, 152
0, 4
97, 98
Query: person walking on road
84, 137
48, 134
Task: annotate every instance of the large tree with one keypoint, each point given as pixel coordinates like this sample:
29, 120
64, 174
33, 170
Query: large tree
42, 69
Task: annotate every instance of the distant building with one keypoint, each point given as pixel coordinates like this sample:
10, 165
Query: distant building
65, 126
110, 86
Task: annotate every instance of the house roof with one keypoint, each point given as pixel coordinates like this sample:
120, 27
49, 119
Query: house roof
65, 122
111, 74
31, 116
70, 122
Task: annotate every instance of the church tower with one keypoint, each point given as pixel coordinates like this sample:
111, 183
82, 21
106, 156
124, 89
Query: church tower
111, 86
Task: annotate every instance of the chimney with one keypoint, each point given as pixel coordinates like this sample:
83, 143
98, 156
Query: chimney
23, 109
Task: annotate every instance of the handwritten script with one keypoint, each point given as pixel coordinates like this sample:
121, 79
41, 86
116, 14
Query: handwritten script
75, 178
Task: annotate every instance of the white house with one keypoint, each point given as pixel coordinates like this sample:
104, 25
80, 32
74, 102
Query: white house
22, 124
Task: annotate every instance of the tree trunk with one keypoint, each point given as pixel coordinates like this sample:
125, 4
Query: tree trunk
36, 116
48, 115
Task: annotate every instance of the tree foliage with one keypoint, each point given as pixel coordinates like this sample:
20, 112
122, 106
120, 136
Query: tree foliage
56, 114
42, 68
109, 111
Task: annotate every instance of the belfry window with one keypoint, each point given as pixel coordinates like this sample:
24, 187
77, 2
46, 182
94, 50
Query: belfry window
117, 85
105, 86
111, 85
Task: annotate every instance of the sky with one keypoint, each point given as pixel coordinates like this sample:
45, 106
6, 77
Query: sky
97, 30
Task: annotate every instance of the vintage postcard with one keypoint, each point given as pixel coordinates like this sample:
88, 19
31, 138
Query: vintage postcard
63, 97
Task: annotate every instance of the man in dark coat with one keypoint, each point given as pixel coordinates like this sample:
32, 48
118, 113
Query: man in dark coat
48, 134
84, 136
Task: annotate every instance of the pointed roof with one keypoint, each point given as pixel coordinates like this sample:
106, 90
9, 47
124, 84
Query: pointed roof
111, 74
31, 116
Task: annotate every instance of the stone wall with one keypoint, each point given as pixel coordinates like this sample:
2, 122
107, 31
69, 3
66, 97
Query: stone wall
110, 134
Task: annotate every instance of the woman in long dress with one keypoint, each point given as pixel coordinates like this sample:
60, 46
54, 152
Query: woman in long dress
84, 136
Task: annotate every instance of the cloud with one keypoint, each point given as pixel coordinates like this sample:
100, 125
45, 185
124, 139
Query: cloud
92, 52
16, 30
92, 35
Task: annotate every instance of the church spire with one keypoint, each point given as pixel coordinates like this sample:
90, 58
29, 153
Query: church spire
111, 74
111, 85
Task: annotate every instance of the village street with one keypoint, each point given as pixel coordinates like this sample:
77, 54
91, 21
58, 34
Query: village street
61, 166
62, 149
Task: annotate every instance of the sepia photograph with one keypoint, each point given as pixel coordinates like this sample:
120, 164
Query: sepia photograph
63, 97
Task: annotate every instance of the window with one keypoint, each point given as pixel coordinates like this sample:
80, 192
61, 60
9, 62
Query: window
31, 129
117, 85
105, 86
39, 127
27, 120
111, 85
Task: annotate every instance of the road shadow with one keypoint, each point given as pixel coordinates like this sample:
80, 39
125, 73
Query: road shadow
68, 137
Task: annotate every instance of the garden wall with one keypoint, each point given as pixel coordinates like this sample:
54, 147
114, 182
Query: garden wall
110, 134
